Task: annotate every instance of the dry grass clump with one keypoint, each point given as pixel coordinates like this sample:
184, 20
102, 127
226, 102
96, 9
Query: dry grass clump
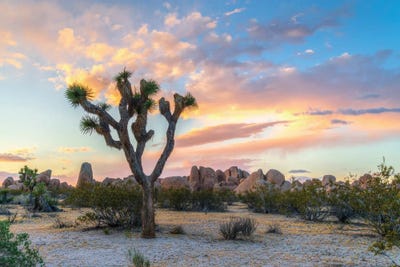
177, 230
235, 226
274, 229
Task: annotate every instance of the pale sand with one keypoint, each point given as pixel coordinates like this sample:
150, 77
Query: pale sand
301, 244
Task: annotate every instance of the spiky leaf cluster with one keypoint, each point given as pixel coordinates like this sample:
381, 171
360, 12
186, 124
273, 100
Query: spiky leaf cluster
89, 124
122, 76
77, 93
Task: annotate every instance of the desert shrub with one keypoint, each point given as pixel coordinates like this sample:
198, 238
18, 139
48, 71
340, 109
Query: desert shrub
274, 229
175, 199
235, 226
177, 230
311, 202
207, 200
184, 200
110, 205
342, 201
264, 199
5, 196
379, 203
16, 250
227, 196
138, 259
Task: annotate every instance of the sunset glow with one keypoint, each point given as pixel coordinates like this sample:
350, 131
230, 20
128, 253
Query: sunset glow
290, 85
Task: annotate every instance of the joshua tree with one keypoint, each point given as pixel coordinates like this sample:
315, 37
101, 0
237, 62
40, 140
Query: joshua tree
27, 176
133, 105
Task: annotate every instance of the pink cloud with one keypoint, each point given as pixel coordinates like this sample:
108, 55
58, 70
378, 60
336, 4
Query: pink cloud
222, 132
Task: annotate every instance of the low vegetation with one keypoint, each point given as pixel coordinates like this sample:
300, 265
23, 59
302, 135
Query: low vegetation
16, 250
185, 200
113, 206
237, 226
138, 259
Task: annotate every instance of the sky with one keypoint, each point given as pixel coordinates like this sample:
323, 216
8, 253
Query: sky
306, 87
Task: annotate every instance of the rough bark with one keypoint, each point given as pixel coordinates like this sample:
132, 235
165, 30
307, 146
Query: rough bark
148, 214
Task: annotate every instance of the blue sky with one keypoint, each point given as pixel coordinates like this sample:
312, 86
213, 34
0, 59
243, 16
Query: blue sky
291, 85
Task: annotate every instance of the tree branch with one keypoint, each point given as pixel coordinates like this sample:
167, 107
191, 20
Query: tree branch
93, 109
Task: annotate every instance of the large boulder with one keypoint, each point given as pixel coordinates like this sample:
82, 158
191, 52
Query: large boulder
286, 186
208, 178
16, 186
64, 186
174, 182
7, 182
44, 177
202, 178
251, 182
275, 177
194, 179
221, 177
328, 180
85, 175
54, 184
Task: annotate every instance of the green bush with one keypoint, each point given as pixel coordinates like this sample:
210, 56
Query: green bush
184, 200
16, 250
175, 199
264, 199
110, 205
312, 202
342, 200
379, 203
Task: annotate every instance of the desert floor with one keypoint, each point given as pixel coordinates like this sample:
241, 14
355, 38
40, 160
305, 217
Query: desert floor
300, 244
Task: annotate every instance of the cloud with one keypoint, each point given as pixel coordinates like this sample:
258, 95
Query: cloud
235, 11
74, 149
223, 132
299, 171
357, 112
337, 121
8, 157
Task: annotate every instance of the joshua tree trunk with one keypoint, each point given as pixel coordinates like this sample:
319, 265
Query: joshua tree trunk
148, 215
133, 105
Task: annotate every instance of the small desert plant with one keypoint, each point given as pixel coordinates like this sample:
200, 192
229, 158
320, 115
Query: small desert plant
138, 259
235, 226
274, 229
177, 230
16, 250
60, 223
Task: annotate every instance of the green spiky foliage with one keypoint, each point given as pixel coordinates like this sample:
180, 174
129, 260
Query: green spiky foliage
27, 176
89, 124
78, 93
133, 109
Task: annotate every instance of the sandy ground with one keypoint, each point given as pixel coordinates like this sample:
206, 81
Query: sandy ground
301, 244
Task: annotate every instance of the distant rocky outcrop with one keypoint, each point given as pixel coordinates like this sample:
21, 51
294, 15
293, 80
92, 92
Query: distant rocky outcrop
275, 177
328, 180
174, 182
85, 175
250, 183
202, 178
7, 182
44, 177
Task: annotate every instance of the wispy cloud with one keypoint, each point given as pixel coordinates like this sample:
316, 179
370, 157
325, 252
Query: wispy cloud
223, 132
235, 11
299, 171
337, 121
357, 112
8, 157
74, 149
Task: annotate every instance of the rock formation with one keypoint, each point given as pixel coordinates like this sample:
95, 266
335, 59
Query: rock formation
85, 175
